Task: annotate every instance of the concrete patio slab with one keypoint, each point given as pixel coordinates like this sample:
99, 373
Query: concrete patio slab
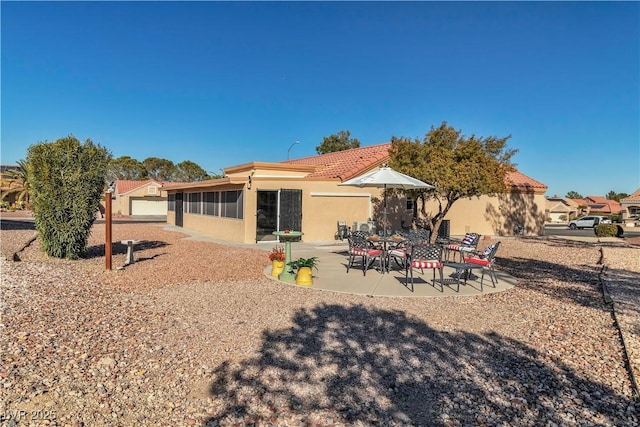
332, 276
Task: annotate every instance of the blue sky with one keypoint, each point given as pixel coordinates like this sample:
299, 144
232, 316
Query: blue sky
226, 83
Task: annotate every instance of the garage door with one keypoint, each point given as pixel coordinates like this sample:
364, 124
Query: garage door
149, 206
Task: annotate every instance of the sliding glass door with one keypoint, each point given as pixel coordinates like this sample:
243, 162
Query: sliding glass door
277, 210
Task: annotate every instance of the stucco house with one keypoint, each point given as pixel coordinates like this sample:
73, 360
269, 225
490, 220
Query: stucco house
561, 209
254, 199
599, 205
630, 207
134, 198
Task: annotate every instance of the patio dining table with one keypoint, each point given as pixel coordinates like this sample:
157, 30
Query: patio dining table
385, 246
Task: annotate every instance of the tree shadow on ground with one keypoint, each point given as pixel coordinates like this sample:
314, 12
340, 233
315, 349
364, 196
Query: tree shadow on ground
515, 209
583, 286
625, 286
118, 248
367, 366
13, 224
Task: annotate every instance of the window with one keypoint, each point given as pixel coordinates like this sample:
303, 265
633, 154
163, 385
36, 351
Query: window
193, 203
212, 203
227, 204
171, 202
231, 204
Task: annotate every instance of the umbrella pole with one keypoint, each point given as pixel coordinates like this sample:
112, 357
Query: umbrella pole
384, 213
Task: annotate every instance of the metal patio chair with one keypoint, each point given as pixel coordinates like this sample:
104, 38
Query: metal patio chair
360, 246
424, 256
486, 259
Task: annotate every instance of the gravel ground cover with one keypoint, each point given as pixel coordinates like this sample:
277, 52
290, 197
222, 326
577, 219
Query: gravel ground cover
193, 334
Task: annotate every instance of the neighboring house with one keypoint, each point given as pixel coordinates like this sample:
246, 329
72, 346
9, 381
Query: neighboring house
630, 206
254, 199
599, 205
583, 206
561, 209
133, 198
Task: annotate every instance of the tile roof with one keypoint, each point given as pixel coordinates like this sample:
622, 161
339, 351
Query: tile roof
564, 200
125, 185
518, 179
635, 197
611, 207
602, 204
557, 206
597, 199
347, 164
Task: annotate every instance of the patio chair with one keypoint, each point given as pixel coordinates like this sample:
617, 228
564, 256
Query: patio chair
359, 246
399, 252
486, 259
424, 256
468, 244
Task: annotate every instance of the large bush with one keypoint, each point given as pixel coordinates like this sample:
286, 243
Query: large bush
67, 179
609, 230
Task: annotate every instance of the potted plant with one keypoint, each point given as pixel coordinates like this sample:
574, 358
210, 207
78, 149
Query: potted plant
277, 257
304, 267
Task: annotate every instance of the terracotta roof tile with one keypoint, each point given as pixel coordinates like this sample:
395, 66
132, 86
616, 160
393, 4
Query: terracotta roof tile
635, 197
125, 185
597, 199
602, 204
346, 164
518, 179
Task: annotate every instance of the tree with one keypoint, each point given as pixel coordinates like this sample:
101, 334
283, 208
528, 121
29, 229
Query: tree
18, 183
125, 167
337, 142
188, 171
68, 179
160, 169
612, 195
574, 195
458, 167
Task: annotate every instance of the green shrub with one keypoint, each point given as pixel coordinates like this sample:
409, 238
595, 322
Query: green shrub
68, 179
606, 230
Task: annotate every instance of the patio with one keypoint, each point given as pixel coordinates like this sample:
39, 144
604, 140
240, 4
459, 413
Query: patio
332, 276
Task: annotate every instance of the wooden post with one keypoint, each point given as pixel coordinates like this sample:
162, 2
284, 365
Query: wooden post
107, 221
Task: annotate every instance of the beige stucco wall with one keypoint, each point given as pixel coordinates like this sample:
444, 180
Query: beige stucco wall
121, 204
218, 227
496, 216
324, 203
628, 207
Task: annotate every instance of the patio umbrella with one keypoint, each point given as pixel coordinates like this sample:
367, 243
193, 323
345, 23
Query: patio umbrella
384, 178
